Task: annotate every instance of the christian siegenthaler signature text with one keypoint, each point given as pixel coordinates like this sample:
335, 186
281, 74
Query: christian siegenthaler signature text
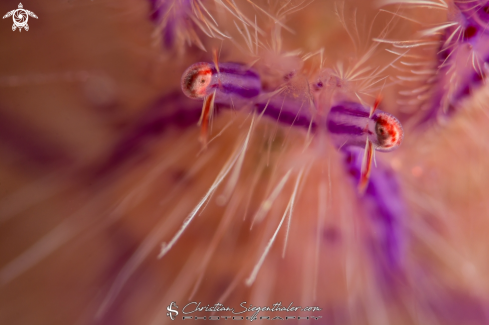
198, 307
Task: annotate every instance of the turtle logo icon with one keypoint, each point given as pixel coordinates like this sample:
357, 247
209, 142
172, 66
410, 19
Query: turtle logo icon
20, 17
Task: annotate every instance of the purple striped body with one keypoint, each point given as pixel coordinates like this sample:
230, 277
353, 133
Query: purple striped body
234, 83
349, 124
237, 84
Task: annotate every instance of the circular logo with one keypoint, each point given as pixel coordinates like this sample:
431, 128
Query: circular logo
20, 17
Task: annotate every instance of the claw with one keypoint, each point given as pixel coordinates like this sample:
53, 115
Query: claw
366, 167
376, 104
207, 111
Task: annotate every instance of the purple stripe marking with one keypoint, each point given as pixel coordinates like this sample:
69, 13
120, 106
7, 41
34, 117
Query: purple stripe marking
231, 89
351, 109
235, 69
287, 117
338, 128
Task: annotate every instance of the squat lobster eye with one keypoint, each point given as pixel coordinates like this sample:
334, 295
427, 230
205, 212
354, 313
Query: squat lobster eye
196, 80
389, 132
381, 132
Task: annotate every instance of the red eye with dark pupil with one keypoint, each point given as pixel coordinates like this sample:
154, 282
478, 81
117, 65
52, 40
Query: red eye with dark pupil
388, 131
195, 80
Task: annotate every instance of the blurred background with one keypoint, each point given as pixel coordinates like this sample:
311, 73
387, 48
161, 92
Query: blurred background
100, 164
